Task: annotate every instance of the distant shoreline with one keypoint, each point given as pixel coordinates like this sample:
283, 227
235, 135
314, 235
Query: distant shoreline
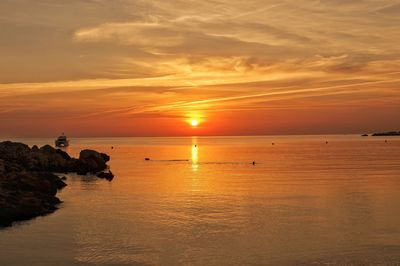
387, 134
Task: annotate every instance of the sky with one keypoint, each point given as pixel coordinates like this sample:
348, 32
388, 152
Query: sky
150, 67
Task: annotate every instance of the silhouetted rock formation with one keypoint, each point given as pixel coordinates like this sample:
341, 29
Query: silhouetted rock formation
387, 134
50, 159
28, 186
24, 195
90, 161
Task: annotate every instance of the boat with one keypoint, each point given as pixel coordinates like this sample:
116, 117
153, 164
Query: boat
62, 141
364, 135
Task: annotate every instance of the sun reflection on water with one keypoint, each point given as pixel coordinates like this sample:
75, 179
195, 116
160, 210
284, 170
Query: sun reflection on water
195, 155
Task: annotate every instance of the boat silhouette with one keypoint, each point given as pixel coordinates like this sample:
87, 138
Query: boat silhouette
62, 141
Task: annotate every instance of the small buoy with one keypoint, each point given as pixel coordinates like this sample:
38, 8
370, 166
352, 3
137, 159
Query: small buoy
112, 147
147, 159
326, 142
195, 145
254, 163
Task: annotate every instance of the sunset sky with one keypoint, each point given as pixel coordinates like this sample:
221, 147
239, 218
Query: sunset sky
149, 67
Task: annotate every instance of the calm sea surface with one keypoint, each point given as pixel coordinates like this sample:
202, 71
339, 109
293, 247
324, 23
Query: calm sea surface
304, 202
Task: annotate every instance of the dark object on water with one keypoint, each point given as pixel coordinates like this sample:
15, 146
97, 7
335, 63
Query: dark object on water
254, 162
112, 147
195, 145
326, 142
106, 175
62, 141
364, 135
147, 159
387, 134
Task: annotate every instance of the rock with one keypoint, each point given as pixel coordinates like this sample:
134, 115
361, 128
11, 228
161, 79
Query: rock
2, 166
28, 186
63, 154
13, 151
106, 175
50, 159
24, 195
92, 161
22, 205
48, 149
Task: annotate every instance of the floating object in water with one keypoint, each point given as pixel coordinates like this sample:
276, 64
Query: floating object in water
147, 159
195, 145
364, 135
326, 142
62, 141
254, 162
273, 143
112, 147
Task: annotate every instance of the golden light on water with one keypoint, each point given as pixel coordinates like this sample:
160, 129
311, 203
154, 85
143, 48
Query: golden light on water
195, 154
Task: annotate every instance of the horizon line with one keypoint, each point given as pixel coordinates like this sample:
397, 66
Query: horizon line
191, 136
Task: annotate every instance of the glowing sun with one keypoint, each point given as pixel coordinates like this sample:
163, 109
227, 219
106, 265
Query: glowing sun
194, 122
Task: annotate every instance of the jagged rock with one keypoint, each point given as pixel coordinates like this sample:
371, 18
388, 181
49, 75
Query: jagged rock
92, 161
24, 195
22, 205
63, 154
28, 186
50, 159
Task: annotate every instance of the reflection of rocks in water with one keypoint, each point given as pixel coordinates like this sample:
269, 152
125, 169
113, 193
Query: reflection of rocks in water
106, 175
27, 184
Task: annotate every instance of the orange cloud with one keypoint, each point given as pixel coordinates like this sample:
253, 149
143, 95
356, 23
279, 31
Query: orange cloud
147, 66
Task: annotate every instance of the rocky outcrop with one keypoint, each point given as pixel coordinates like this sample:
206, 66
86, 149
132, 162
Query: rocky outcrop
24, 195
89, 162
28, 186
49, 159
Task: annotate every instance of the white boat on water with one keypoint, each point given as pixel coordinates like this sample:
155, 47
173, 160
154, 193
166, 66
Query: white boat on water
62, 141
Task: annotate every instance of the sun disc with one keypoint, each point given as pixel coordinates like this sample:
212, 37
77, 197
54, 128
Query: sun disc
194, 123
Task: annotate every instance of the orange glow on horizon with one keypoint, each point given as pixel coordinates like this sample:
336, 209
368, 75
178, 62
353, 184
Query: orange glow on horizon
148, 75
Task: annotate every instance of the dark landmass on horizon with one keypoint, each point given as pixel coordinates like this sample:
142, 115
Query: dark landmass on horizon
28, 185
387, 134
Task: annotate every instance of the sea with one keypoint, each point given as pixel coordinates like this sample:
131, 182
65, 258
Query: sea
306, 200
